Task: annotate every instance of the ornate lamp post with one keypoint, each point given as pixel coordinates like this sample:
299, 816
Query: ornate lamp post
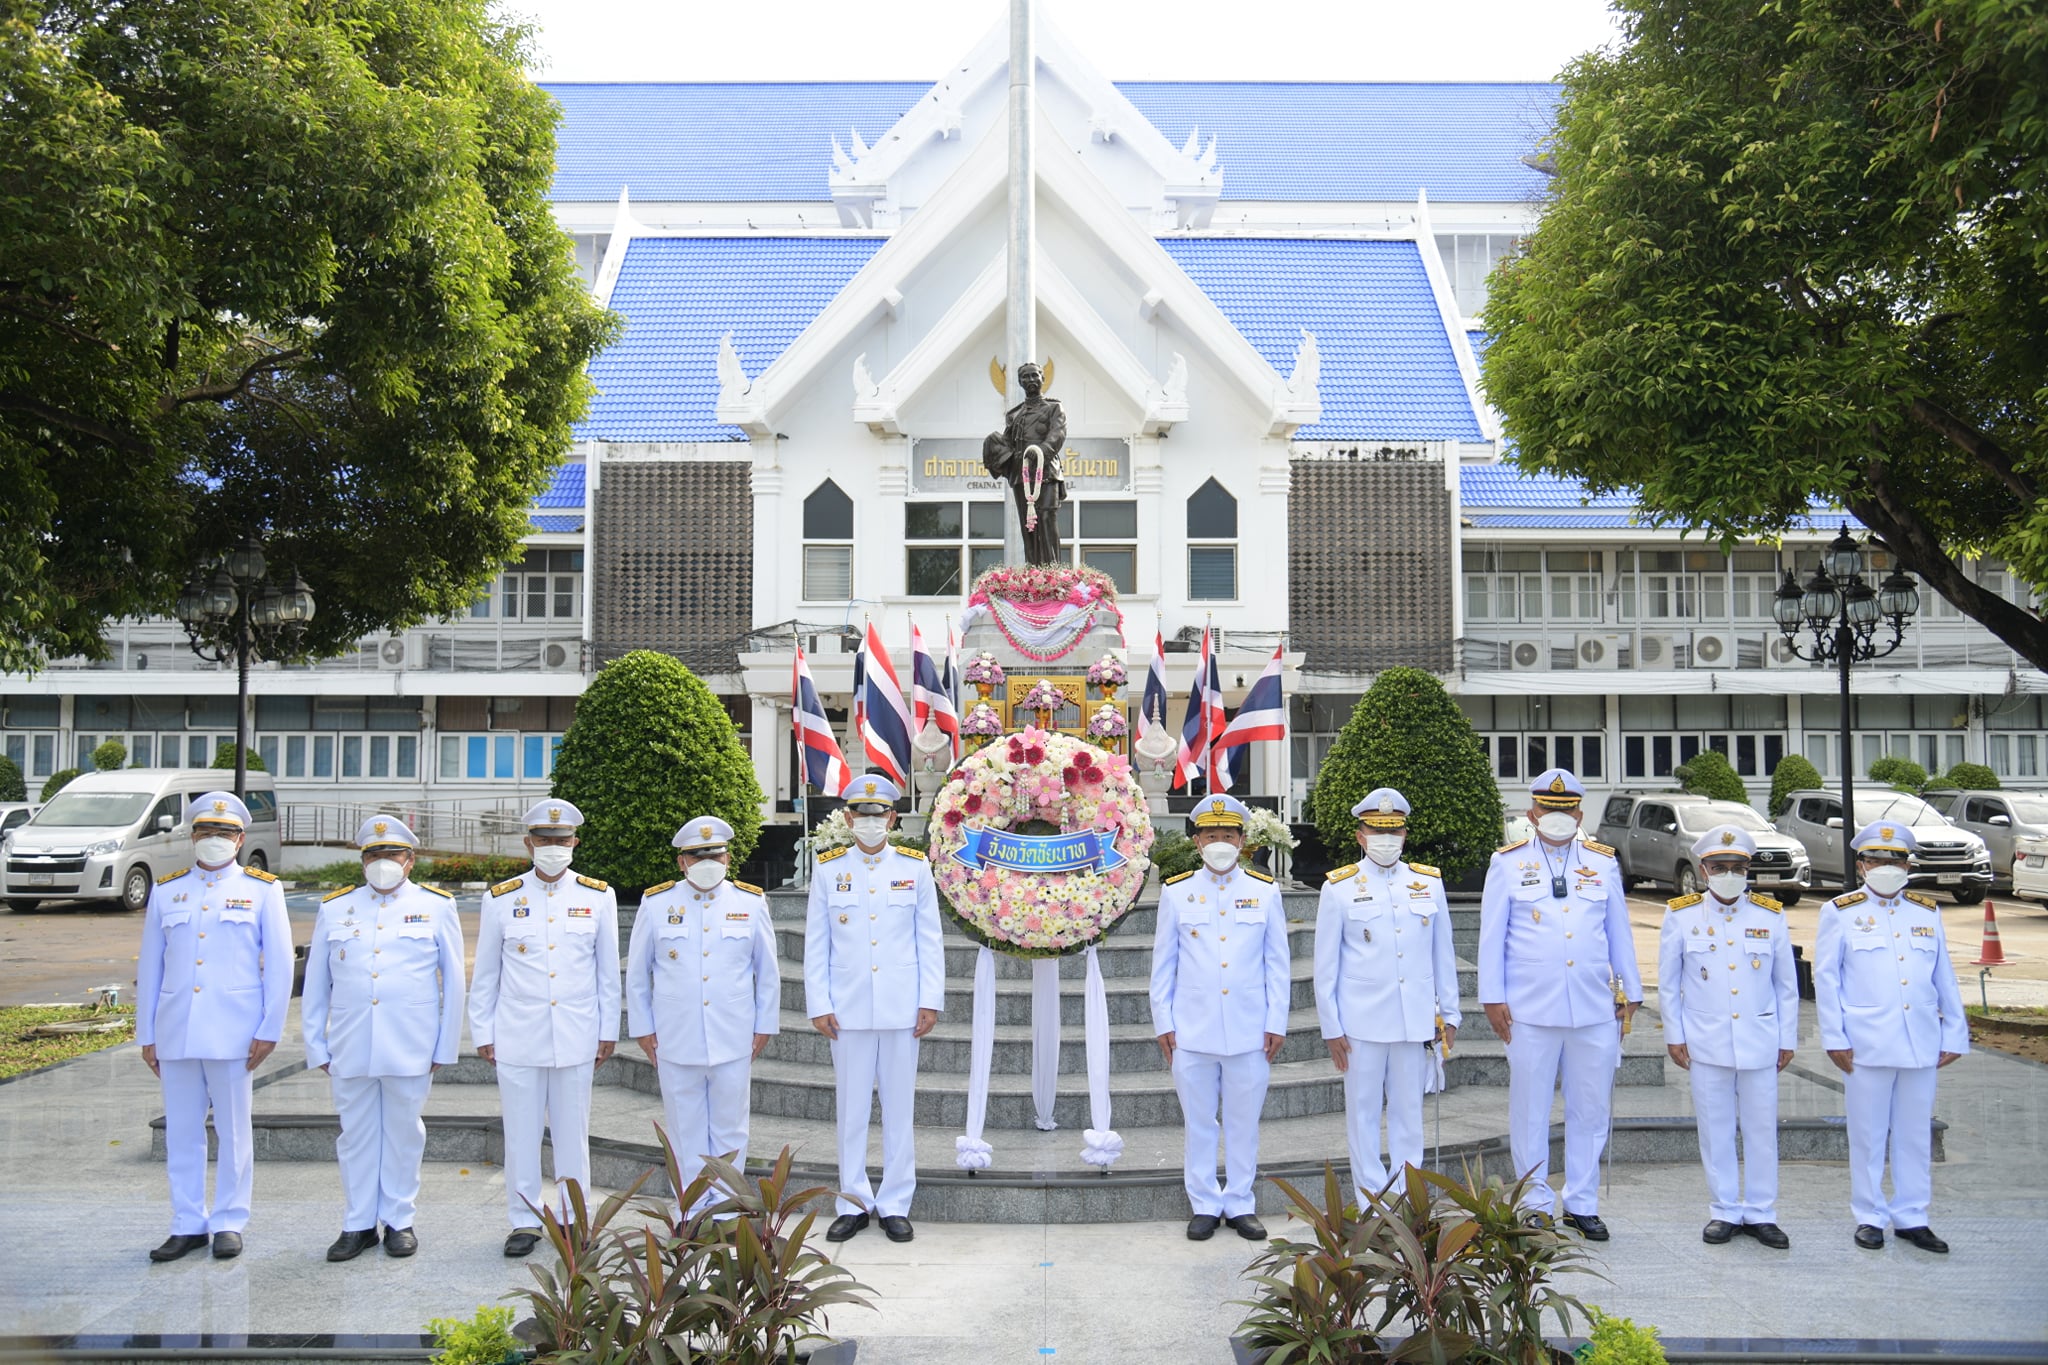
1842, 614
231, 611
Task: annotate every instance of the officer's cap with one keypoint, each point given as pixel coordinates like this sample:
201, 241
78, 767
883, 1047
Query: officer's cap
217, 808
1557, 789
1382, 808
707, 834
385, 831
1725, 841
1886, 836
555, 817
1219, 812
871, 792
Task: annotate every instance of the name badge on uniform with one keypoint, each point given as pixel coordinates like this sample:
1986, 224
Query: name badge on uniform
521, 912
579, 912
1756, 933
907, 884
675, 919
737, 916
419, 919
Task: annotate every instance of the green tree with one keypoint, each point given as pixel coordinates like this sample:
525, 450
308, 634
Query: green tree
273, 268
1797, 250
109, 756
1710, 774
12, 788
224, 757
1794, 773
57, 782
1407, 733
650, 748
1902, 774
1973, 777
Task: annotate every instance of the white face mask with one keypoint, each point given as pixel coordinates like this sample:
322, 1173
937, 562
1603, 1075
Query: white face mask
551, 861
1557, 826
1219, 857
1728, 885
1384, 849
1886, 881
215, 850
385, 874
870, 830
705, 873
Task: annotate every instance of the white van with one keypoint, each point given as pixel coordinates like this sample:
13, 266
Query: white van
109, 836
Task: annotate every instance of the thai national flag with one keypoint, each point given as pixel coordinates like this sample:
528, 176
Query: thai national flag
885, 733
1196, 731
1152, 708
946, 698
1218, 767
824, 766
1263, 716
860, 693
924, 681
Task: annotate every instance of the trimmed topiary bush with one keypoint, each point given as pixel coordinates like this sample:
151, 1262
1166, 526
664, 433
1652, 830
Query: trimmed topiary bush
1794, 773
651, 747
1710, 774
224, 757
1173, 854
58, 781
12, 788
109, 756
1900, 774
1973, 777
1407, 733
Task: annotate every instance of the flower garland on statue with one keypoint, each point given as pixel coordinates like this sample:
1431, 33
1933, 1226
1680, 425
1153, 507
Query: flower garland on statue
1044, 611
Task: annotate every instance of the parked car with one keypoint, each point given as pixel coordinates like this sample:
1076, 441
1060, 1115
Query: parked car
2030, 870
1950, 859
1999, 818
13, 815
1653, 833
110, 835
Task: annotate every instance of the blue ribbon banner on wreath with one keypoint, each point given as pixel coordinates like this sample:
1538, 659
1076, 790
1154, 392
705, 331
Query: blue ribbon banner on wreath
1083, 851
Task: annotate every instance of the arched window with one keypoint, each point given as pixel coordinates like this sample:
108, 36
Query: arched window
1212, 544
828, 544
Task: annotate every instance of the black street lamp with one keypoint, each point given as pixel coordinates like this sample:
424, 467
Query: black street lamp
231, 611
1843, 612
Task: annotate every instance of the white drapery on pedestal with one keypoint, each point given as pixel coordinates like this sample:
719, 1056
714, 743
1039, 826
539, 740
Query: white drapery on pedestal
1101, 1144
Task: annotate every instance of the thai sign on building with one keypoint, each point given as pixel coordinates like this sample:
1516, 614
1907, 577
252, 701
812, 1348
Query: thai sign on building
952, 464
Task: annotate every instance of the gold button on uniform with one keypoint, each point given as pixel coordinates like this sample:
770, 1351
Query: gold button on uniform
1226, 990
195, 990
1568, 962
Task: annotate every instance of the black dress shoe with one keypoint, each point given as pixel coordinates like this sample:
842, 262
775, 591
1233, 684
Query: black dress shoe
844, 1226
1587, 1225
1203, 1226
227, 1245
1248, 1227
1717, 1232
1924, 1238
350, 1245
896, 1227
400, 1242
178, 1244
522, 1241
1770, 1234
1868, 1237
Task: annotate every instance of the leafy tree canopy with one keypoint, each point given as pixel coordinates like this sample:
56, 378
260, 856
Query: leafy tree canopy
273, 267
1799, 248
1973, 777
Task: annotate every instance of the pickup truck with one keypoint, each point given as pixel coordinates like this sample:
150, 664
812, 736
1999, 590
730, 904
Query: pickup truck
2001, 819
1950, 859
1652, 833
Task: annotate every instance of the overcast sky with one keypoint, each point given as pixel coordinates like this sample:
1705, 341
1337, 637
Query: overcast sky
1377, 40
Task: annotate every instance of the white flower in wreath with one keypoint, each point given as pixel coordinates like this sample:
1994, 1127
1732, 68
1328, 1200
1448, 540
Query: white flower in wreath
832, 832
1267, 830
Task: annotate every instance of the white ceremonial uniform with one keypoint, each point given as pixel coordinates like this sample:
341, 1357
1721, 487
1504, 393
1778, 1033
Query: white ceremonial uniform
382, 1008
873, 957
214, 974
1386, 970
1220, 984
1728, 991
701, 976
1550, 961
545, 993
1884, 988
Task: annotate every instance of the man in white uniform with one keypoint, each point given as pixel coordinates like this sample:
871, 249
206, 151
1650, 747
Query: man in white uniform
1220, 996
703, 995
382, 1013
1730, 998
212, 984
874, 983
1386, 973
544, 1010
1558, 979
1891, 1016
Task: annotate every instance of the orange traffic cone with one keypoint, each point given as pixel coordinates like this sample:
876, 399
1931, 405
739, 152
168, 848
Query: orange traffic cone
1992, 954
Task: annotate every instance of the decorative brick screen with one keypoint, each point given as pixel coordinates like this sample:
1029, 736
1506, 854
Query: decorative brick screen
1370, 574
673, 551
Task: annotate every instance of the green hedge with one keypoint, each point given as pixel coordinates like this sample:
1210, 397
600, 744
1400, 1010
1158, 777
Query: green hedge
109, 756
1973, 777
12, 788
58, 781
1710, 774
224, 757
1793, 774
1900, 774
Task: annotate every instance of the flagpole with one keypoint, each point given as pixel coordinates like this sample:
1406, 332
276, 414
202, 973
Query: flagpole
1204, 663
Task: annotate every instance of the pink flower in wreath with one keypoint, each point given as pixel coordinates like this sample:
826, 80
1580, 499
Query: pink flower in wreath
1033, 923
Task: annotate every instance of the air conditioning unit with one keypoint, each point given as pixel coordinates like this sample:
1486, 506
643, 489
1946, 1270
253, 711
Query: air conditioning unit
1713, 649
556, 657
394, 652
1599, 651
1526, 656
1778, 653
1656, 651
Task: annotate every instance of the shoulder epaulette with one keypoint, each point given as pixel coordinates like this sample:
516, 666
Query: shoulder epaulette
436, 890
337, 895
916, 853
829, 854
1597, 846
172, 876
1510, 848
1770, 903
592, 882
657, 890
1922, 898
1426, 870
748, 887
1851, 898
260, 875
1177, 877
502, 887
1681, 902
1262, 876
1338, 874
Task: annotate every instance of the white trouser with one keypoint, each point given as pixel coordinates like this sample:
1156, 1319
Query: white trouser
1237, 1085
1895, 1103
189, 1087
556, 1098
1725, 1098
1588, 1055
705, 1109
1389, 1075
382, 1140
865, 1060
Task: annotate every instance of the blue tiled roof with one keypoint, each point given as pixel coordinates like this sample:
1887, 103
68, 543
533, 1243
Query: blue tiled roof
1529, 521
558, 525
1502, 485
1387, 366
1478, 341
565, 489
678, 296
1332, 140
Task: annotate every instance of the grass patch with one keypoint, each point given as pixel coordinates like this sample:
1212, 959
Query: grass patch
2007, 1011
19, 1052
458, 867
342, 872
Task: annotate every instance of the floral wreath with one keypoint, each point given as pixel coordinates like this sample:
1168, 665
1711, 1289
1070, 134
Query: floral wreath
1037, 782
